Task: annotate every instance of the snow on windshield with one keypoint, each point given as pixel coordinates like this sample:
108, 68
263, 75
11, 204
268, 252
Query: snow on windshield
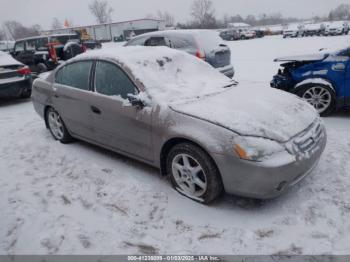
167, 74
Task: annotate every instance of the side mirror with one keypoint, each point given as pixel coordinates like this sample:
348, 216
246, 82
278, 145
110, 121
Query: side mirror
136, 102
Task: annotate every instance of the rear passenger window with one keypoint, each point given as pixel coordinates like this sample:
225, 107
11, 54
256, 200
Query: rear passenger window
137, 41
19, 46
110, 80
183, 42
31, 45
156, 41
75, 75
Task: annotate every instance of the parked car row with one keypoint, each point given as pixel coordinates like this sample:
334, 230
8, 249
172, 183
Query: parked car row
240, 34
318, 29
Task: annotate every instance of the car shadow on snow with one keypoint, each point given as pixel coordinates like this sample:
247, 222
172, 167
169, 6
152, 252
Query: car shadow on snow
226, 201
13, 101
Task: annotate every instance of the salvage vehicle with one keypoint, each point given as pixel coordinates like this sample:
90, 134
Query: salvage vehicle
204, 44
15, 78
246, 34
294, 31
337, 28
230, 35
175, 112
43, 53
320, 79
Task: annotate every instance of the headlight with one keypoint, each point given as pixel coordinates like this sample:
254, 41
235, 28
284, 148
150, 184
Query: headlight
256, 149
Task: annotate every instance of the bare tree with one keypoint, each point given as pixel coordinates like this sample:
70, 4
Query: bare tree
166, 17
16, 30
2, 35
56, 23
342, 12
203, 13
101, 11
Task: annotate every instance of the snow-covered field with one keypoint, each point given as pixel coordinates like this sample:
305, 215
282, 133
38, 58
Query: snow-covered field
80, 199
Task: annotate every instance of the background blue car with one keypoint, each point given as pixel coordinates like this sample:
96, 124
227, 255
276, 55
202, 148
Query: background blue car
321, 79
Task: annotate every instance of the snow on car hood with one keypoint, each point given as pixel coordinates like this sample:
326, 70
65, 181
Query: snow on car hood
253, 111
6, 60
302, 58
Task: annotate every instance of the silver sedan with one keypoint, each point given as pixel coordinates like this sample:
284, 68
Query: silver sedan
175, 112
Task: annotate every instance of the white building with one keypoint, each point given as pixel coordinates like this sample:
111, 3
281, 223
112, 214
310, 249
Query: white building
113, 31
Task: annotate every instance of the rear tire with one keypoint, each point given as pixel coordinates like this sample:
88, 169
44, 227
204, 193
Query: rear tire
320, 96
41, 68
57, 127
193, 173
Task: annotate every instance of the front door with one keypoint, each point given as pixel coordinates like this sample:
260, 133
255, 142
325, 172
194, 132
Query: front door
118, 124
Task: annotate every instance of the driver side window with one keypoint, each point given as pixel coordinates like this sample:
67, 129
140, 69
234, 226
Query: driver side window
111, 80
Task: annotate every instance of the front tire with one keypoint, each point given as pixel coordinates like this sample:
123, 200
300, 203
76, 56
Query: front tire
193, 173
57, 127
320, 96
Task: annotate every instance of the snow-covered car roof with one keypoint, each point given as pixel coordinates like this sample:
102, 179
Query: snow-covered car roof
167, 74
6, 60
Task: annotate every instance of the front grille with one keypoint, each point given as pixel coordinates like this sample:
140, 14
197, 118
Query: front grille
309, 139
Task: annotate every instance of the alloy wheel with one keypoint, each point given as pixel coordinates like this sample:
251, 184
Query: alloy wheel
319, 97
189, 175
55, 124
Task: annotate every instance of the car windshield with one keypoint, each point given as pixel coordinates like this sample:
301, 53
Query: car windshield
63, 39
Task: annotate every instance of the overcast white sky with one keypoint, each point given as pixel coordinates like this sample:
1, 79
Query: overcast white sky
42, 11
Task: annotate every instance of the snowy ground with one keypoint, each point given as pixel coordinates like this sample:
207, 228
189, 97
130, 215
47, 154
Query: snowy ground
77, 198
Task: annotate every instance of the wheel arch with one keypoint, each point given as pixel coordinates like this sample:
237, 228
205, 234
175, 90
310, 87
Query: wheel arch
169, 144
313, 81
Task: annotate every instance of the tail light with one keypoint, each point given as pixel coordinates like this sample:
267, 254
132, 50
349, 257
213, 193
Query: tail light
200, 54
84, 48
24, 71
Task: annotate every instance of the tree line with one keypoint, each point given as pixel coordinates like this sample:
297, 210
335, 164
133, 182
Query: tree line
202, 13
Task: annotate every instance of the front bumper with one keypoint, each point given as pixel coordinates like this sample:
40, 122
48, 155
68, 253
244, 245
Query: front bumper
227, 71
282, 82
15, 88
269, 179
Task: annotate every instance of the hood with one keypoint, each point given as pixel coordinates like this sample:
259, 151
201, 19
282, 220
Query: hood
302, 58
252, 111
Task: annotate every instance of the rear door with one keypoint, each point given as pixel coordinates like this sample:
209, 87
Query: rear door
119, 125
73, 98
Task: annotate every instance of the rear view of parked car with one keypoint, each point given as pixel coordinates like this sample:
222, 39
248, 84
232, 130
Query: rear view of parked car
43, 53
175, 112
15, 78
204, 44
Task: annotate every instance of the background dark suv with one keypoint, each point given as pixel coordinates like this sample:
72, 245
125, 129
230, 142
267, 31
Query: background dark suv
204, 44
42, 53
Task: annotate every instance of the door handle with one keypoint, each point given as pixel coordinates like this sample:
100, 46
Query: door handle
95, 110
